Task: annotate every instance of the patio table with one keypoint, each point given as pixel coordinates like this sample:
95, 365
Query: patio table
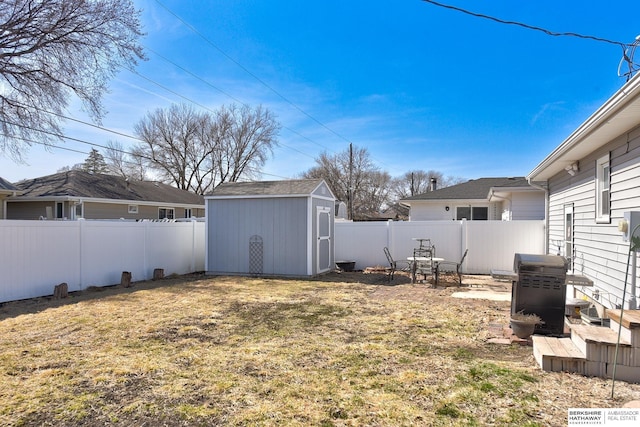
415, 260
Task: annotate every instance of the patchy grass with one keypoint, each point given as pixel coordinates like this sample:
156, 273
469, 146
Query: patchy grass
240, 351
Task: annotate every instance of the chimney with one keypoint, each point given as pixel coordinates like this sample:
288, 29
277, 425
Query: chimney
433, 184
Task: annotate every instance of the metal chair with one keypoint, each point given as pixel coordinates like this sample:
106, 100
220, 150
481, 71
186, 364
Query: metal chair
457, 265
393, 265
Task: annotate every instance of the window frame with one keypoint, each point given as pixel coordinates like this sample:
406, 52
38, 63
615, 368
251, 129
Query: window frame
471, 210
603, 190
132, 209
167, 210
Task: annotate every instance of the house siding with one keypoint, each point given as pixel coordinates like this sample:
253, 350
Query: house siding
92, 210
29, 210
526, 206
600, 252
436, 211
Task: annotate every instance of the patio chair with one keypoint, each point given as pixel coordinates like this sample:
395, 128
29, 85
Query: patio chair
457, 265
393, 265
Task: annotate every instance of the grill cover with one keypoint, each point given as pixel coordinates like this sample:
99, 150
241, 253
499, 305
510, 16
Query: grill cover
541, 289
547, 264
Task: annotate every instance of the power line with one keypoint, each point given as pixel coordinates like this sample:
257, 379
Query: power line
233, 98
246, 70
527, 26
93, 144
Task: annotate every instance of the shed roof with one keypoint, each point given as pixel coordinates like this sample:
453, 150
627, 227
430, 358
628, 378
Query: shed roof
294, 187
77, 183
475, 189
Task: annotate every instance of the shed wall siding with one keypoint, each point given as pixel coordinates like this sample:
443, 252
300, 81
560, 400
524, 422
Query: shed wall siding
281, 222
600, 252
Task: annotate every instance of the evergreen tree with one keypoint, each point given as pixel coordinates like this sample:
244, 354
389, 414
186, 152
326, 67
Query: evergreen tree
95, 163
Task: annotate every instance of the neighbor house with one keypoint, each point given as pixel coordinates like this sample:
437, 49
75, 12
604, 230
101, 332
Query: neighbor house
6, 189
503, 199
78, 194
592, 179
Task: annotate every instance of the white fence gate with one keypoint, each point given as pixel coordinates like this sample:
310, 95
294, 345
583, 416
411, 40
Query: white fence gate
491, 244
37, 255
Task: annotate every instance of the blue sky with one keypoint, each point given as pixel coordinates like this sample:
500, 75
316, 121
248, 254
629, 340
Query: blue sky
420, 86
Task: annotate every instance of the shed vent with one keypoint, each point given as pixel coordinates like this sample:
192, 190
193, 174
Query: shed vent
255, 254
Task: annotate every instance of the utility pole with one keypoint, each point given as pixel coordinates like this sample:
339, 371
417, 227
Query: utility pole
350, 181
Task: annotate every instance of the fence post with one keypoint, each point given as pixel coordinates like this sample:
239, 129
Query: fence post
81, 258
192, 265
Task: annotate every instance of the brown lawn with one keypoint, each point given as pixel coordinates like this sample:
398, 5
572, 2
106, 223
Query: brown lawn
346, 349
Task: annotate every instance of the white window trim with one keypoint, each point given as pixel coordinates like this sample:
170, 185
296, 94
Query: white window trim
75, 210
173, 216
601, 164
132, 209
471, 208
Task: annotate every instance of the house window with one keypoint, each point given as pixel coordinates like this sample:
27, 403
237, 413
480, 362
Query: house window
166, 213
603, 199
463, 212
187, 212
569, 248
479, 214
78, 210
133, 209
472, 213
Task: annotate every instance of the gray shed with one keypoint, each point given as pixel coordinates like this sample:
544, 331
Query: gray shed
271, 228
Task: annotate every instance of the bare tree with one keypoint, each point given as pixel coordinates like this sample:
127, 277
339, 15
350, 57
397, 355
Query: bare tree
247, 138
353, 178
130, 165
51, 50
196, 151
417, 182
172, 143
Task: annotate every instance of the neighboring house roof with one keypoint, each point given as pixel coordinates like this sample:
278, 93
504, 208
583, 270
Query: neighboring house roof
475, 189
6, 187
294, 187
81, 184
616, 116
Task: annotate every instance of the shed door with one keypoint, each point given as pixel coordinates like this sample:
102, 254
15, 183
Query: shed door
323, 218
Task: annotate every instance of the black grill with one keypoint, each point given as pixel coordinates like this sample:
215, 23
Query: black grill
541, 289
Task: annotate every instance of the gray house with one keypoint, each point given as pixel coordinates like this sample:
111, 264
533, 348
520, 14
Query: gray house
6, 189
271, 228
78, 194
506, 199
593, 180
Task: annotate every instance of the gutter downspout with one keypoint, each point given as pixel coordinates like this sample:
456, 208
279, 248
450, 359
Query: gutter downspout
544, 187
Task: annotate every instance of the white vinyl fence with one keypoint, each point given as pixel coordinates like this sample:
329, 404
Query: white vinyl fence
37, 255
491, 244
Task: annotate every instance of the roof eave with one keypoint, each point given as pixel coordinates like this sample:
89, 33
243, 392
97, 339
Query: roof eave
600, 128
